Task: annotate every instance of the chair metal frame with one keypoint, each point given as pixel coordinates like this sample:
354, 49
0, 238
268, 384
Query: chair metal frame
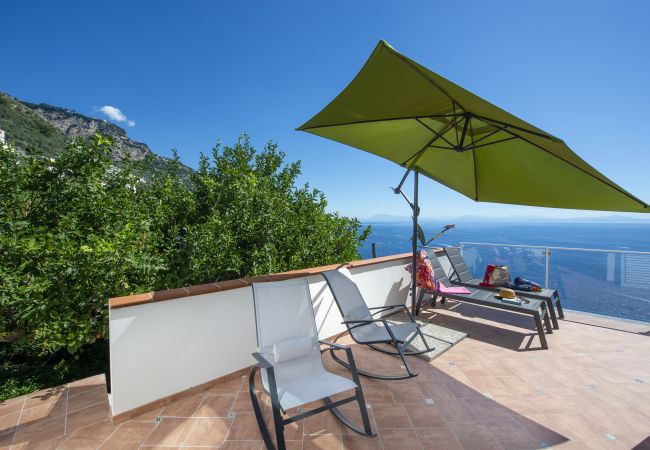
277, 411
400, 345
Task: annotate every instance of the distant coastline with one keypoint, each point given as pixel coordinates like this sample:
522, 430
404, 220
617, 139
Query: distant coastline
606, 218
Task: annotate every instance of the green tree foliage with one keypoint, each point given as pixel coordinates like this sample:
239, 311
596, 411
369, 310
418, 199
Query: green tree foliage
77, 230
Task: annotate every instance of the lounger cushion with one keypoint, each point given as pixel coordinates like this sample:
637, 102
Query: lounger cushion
292, 348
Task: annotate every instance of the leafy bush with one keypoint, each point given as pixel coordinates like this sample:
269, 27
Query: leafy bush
77, 230
24, 369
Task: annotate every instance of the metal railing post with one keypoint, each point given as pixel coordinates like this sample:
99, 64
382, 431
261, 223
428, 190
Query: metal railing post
548, 254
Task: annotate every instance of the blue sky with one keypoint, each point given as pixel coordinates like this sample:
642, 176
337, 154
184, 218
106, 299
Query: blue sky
185, 74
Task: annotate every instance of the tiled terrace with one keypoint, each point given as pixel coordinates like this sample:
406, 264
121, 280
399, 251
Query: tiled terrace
494, 390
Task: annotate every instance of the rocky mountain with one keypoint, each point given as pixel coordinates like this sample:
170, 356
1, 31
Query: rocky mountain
46, 129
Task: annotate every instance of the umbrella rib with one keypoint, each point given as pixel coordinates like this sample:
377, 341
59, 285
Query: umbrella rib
607, 183
434, 139
361, 122
472, 147
453, 105
442, 147
474, 161
488, 135
509, 125
434, 132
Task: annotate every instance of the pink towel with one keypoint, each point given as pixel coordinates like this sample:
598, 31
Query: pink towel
452, 290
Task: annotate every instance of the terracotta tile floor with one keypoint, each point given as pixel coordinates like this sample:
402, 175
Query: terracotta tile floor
591, 390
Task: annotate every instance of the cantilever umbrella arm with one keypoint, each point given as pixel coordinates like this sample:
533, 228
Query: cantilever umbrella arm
415, 209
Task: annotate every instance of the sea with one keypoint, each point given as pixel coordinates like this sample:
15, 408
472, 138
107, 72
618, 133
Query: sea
596, 267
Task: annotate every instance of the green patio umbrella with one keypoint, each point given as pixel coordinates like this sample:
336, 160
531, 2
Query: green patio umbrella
402, 111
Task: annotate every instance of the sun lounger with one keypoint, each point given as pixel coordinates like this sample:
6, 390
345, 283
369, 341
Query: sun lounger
462, 276
532, 307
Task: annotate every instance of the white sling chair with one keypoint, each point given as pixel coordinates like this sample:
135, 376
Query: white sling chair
365, 329
290, 360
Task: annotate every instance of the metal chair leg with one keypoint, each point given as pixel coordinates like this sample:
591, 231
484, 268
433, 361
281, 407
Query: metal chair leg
400, 349
547, 322
259, 417
540, 330
551, 310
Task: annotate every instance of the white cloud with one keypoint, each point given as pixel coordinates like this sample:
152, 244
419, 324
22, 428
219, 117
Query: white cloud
116, 114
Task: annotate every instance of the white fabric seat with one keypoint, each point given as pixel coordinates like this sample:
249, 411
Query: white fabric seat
301, 385
285, 319
291, 364
377, 332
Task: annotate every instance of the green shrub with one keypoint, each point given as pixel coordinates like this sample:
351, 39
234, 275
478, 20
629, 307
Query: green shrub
77, 230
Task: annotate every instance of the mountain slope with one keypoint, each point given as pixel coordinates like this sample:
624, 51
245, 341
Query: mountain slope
45, 129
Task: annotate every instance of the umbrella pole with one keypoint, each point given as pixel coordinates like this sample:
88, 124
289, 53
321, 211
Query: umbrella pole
414, 242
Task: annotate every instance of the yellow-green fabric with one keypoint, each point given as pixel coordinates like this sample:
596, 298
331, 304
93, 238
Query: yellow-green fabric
402, 111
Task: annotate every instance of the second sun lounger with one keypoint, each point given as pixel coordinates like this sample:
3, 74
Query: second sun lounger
462, 276
535, 308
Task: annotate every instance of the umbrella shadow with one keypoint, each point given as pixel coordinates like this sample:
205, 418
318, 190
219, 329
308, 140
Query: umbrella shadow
436, 407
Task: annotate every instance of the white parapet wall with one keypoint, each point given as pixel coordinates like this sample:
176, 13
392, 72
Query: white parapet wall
161, 348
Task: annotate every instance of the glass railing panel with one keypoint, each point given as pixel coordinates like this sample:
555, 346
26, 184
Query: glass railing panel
609, 283
522, 261
614, 283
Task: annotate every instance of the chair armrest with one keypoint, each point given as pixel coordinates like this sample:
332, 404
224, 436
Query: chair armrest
361, 321
270, 373
334, 344
262, 361
387, 306
352, 366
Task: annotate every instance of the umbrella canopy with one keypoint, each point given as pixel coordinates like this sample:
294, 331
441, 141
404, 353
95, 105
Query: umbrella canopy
402, 111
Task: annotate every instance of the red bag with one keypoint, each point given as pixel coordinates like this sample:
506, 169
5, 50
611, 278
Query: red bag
496, 276
488, 272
